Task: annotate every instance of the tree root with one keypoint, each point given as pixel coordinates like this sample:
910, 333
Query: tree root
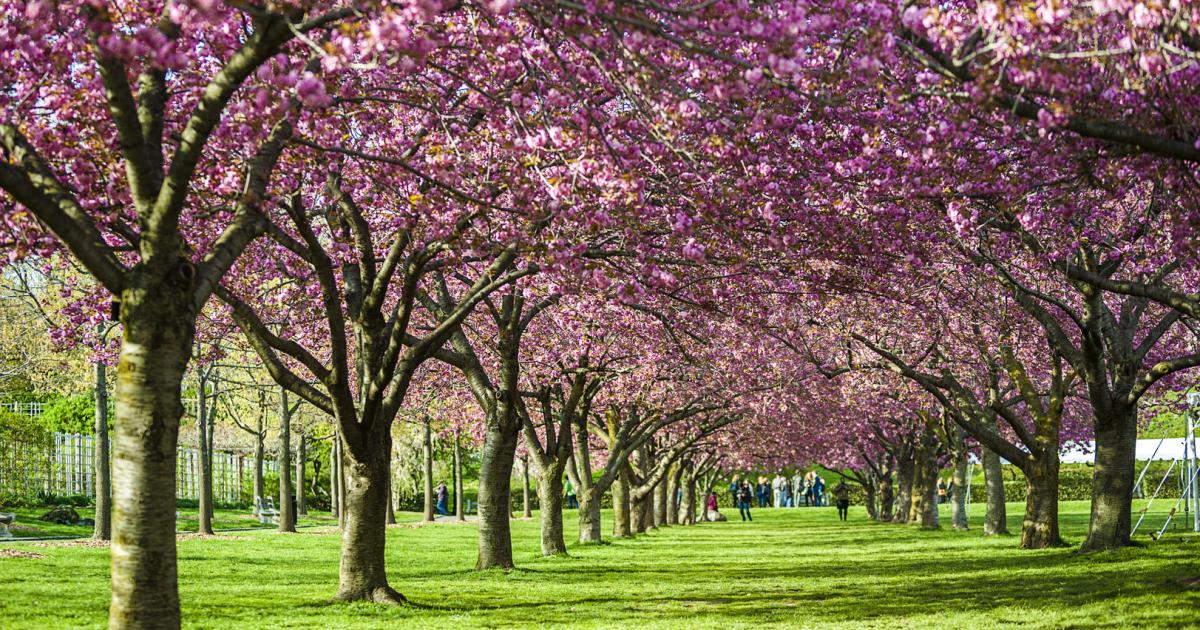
384, 595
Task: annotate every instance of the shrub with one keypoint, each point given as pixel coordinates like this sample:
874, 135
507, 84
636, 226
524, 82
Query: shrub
14, 500
21, 395
21, 428
270, 486
70, 414
43, 498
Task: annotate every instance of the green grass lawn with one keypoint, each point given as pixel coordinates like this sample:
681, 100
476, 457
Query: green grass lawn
789, 568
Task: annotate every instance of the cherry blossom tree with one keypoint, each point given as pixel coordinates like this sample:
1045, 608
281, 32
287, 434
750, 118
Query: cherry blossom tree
117, 121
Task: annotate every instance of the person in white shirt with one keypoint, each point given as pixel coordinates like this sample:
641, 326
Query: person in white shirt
777, 486
797, 489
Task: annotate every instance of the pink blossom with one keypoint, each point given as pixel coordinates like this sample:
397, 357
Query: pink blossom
311, 91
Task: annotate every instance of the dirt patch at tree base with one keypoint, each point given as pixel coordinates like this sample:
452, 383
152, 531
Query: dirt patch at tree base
323, 529
80, 542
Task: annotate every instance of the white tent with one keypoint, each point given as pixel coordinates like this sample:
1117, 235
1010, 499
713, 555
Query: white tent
1170, 449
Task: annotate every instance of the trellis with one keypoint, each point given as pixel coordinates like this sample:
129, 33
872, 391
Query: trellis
31, 409
62, 465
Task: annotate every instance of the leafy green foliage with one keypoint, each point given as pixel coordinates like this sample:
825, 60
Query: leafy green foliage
20, 394
15, 427
71, 414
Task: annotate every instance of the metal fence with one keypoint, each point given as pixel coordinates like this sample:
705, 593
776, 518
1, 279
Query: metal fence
31, 409
35, 409
63, 466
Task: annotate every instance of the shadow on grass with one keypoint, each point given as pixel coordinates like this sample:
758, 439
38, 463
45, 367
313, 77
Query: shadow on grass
898, 587
976, 593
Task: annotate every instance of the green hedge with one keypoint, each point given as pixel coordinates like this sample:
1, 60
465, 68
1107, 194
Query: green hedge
71, 414
15, 427
1074, 483
62, 414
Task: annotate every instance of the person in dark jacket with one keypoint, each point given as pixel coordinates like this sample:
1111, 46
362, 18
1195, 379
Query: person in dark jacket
744, 498
443, 496
841, 492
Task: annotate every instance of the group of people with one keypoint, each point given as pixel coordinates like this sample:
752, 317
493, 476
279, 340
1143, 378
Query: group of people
801, 490
807, 490
944, 490
810, 490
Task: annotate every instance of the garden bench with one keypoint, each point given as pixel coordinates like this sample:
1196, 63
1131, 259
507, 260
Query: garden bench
266, 513
6, 519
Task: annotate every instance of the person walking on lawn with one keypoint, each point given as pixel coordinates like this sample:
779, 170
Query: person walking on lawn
745, 496
572, 501
841, 492
443, 496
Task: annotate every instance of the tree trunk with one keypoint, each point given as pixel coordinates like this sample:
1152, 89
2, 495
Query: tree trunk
904, 483
335, 497
259, 455
212, 431
391, 499
886, 498
660, 503
641, 513
872, 496
341, 477
103, 529
286, 523
1039, 530
691, 496
589, 516
205, 508
363, 572
923, 508
314, 484
550, 507
687, 507
958, 497
637, 512
1112, 480
459, 511
620, 497
427, 470
301, 460
673, 493
996, 520
525, 489
495, 487
158, 333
